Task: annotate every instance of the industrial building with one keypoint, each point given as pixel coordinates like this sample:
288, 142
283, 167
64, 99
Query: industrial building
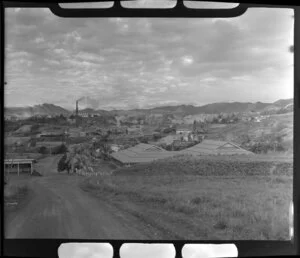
141, 153
212, 147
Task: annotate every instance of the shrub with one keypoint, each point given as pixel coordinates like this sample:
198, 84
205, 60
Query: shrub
61, 149
62, 165
43, 150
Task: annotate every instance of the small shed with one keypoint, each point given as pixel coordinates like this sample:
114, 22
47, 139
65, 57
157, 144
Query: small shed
19, 165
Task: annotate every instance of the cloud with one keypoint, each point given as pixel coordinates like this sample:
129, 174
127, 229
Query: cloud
187, 60
121, 61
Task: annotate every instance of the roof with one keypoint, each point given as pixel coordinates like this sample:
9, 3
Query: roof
16, 161
215, 147
58, 132
169, 139
147, 152
141, 153
52, 144
184, 127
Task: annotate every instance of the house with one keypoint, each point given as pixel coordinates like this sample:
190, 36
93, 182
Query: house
141, 153
184, 129
212, 147
51, 144
82, 134
134, 130
74, 132
49, 134
115, 147
169, 139
72, 120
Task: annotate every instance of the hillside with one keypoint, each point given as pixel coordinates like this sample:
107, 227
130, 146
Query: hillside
280, 106
44, 109
248, 133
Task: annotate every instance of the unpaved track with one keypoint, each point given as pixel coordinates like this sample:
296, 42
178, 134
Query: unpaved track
58, 208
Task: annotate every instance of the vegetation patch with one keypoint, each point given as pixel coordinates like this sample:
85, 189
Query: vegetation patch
233, 205
14, 194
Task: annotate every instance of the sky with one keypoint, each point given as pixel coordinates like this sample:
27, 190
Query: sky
126, 63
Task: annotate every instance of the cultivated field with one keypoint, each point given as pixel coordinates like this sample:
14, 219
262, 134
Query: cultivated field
213, 199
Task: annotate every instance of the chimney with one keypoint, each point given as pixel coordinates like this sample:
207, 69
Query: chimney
76, 108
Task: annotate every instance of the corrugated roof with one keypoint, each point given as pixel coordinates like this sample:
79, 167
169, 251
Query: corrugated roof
215, 147
49, 143
147, 153
15, 161
141, 153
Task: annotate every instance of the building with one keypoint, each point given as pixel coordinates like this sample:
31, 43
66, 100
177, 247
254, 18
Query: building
18, 165
74, 132
169, 139
212, 147
50, 144
72, 121
184, 129
134, 130
115, 147
141, 153
49, 134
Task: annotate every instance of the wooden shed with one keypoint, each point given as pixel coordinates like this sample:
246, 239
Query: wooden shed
18, 165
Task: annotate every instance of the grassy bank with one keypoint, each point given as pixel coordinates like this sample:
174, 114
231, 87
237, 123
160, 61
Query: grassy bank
236, 201
14, 194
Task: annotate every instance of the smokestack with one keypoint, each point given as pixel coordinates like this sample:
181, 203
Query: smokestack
76, 108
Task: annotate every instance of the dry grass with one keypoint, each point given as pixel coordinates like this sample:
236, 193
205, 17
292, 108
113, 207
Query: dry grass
14, 193
228, 206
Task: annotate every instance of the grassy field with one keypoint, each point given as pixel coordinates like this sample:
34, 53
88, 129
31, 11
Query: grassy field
222, 199
275, 125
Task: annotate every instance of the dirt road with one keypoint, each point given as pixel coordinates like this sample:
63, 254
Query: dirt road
58, 208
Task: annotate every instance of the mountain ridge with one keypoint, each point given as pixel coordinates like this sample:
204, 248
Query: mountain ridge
213, 108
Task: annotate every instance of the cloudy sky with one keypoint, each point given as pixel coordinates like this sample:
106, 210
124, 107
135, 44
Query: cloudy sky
145, 62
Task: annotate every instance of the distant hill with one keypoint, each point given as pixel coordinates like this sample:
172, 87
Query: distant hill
280, 106
44, 109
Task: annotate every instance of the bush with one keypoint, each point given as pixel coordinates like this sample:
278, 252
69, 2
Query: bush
264, 147
62, 165
43, 150
61, 149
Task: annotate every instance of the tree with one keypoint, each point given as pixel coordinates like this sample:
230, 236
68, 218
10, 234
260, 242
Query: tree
62, 164
43, 150
194, 126
61, 149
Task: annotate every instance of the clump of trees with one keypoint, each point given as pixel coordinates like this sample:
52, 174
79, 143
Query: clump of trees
61, 149
77, 157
